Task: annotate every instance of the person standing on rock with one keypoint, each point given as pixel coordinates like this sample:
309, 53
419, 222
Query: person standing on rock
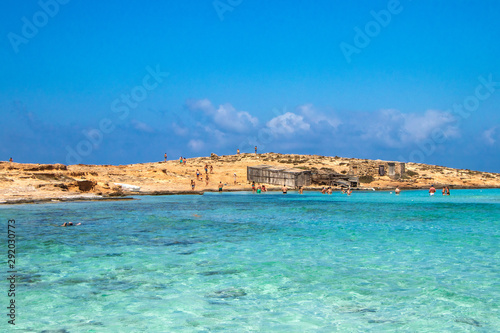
255, 149
192, 184
237, 151
220, 186
11, 160
206, 179
165, 157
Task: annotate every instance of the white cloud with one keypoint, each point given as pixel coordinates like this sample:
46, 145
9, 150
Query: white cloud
219, 136
179, 130
490, 135
418, 127
287, 123
228, 118
396, 129
142, 127
225, 116
201, 104
313, 116
196, 145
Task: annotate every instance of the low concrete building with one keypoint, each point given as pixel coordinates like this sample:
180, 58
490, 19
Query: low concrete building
268, 174
393, 170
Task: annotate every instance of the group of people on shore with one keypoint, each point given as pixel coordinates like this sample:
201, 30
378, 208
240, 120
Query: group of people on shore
209, 169
199, 176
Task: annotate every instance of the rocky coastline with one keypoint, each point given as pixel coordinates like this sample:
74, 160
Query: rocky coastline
42, 183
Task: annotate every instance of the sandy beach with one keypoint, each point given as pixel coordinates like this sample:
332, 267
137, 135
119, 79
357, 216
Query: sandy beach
31, 183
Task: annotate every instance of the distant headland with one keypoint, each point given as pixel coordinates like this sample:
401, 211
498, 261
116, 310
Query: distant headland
32, 183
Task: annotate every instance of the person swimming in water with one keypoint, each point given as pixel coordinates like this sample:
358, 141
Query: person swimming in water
69, 224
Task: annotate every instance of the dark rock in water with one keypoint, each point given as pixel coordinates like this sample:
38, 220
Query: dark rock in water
364, 310
229, 293
91, 323
61, 330
469, 321
173, 243
218, 303
229, 271
381, 321
71, 281
28, 278
186, 253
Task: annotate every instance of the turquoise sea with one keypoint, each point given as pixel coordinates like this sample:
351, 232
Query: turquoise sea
243, 262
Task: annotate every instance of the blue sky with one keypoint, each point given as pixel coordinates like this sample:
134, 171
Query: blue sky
126, 81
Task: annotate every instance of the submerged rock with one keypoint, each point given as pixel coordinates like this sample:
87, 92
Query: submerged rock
229, 271
229, 293
469, 321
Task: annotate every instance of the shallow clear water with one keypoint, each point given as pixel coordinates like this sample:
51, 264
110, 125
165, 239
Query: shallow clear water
238, 262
